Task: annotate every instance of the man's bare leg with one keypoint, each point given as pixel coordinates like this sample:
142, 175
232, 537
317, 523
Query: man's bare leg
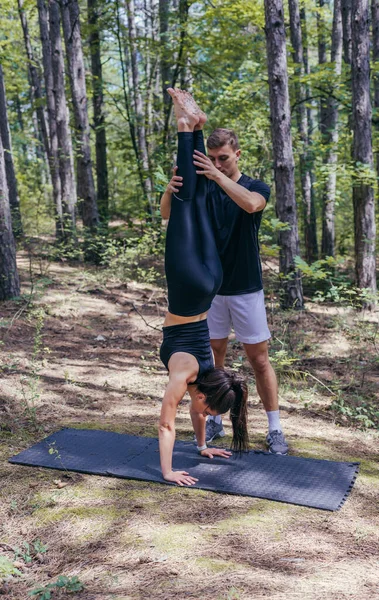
266, 384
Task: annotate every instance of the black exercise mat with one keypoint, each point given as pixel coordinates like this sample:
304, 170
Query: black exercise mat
308, 482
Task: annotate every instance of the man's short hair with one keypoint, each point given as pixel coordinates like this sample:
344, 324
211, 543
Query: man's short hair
221, 137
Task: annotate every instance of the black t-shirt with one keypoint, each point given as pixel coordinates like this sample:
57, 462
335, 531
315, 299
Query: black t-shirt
236, 235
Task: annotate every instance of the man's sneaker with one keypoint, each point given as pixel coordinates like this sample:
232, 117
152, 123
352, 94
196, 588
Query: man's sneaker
276, 442
213, 430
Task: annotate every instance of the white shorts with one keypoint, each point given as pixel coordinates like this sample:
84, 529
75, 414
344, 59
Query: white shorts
246, 313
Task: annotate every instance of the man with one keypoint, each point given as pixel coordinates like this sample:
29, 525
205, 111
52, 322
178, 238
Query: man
235, 203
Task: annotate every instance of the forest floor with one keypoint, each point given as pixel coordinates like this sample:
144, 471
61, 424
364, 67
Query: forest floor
84, 353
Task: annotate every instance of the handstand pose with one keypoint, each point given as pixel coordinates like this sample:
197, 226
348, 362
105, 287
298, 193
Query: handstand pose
194, 274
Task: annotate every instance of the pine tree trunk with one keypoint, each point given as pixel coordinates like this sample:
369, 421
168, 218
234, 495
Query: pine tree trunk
43, 17
292, 296
375, 58
363, 194
165, 63
346, 30
98, 112
9, 281
66, 168
13, 198
34, 78
307, 71
330, 139
139, 110
76, 70
302, 126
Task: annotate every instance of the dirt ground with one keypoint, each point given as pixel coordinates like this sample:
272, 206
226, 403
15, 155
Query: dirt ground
85, 354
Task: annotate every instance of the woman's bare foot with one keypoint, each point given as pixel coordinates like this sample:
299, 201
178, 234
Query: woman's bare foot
185, 115
195, 109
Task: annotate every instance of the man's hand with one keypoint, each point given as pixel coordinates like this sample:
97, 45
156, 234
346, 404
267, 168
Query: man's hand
205, 166
175, 183
180, 477
211, 452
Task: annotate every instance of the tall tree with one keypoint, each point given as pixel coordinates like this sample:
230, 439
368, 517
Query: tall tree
165, 62
346, 30
363, 193
98, 110
59, 135
310, 119
76, 71
9, 281
375, 58
302, 125
139, 112
34, 79
13, 196
329, 129
66, 167
282, 153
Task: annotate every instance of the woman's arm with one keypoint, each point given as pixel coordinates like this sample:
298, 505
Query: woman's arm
174, 393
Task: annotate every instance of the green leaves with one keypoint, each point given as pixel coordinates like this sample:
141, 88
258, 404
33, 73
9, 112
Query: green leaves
69, 584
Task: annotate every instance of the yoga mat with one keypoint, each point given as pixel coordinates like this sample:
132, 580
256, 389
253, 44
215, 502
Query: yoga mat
309, 482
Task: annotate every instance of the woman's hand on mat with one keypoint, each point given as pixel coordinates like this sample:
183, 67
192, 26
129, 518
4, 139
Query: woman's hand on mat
211, 452
204, 165
180, 477
175, 183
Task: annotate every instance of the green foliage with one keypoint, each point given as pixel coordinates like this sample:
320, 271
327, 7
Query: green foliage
319, 270
28, 551
7, 569
30, 383
124, 259
359, 412
67, 584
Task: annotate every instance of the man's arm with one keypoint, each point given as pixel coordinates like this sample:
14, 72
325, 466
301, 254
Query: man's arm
249, 201
172, 188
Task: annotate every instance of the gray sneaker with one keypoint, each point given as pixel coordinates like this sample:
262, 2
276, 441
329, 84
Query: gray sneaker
276, 442
213, 430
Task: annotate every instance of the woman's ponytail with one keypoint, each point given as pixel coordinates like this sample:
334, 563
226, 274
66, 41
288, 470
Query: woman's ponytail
226, 391
238, 416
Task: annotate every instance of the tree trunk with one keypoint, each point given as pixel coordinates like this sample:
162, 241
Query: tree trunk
13, 198
346, 30
292, 296
181, 61
330, 140
139, 111
363, 193
43, 17
302, 126
98, 112
9, 281
375, 58
307, 71
165, 62
34, 77
66, 170
76, 69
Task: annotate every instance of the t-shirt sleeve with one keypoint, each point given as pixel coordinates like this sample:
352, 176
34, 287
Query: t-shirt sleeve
261, 188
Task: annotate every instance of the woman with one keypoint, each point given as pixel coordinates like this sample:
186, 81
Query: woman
194, 275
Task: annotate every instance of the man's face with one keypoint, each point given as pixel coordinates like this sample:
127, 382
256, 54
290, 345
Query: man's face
225, 159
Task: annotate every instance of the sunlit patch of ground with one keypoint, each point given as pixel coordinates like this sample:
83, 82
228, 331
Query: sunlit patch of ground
97, 366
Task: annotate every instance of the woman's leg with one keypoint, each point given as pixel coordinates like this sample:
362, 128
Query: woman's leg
190, 278
210, 254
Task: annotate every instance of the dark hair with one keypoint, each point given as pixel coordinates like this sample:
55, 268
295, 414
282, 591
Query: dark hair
225, 391
221, 137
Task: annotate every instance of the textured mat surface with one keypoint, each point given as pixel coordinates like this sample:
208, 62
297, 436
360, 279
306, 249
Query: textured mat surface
308, 482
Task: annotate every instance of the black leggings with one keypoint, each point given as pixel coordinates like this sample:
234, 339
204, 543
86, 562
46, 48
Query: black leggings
193, 268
